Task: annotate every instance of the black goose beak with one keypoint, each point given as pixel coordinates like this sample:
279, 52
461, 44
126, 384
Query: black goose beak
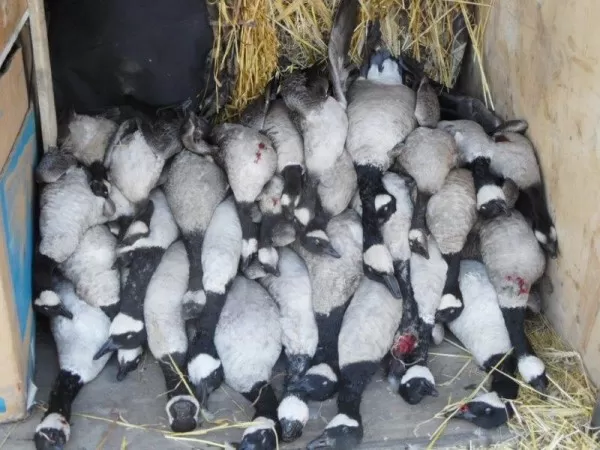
463, 413
322, 441
329, 250
494, 208
392, 284
61, 310
122, 373
109, 346
540, 384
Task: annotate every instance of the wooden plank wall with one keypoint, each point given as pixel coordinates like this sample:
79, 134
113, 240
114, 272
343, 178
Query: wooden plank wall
542, 60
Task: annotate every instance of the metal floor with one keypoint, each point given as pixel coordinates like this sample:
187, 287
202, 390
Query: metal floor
389, 422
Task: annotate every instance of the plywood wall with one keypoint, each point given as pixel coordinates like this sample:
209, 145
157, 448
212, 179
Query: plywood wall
542, 59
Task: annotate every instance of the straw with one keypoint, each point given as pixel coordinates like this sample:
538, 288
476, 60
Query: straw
267, 36
560, 418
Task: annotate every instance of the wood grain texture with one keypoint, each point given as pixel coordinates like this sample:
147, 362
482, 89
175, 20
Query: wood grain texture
542, 60
43, 73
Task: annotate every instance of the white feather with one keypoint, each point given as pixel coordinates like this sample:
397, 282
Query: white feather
395, 230
292, 292
248, 335
324, 132
428, 277
417, 371
480, 326
342, 420
68, 209
162, 305
488, 193
369, 324
55, 421
201, 366
90, 268
221, 248
293, 409
378, 257
78, 339
531, 367
163, 229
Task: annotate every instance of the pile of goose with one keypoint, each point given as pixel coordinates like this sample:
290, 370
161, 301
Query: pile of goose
341, 222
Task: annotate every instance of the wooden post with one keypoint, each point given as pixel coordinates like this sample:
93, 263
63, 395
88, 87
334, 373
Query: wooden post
43, 73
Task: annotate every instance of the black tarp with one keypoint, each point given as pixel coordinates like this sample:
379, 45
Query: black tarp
104, 52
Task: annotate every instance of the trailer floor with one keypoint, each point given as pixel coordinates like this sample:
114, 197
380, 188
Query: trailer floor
389, 422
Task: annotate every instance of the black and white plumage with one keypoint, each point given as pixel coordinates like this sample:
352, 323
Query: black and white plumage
451, 214
428, 277
333, 282
289, 146
77, 340
428, 155
514, 157
481, 328
320, 118
476, 149
68, 209
310, 221
250, 161
380, 115
365, 337
271, 208
514, 262
486, 411
137, 155
220, 259
396, 229
142, 254
91, 269
87, 139
270, 202
293, 294
248, 341
194, 188
167, 339
337, 188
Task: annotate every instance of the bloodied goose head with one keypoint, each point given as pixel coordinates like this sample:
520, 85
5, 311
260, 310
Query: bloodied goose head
486, 411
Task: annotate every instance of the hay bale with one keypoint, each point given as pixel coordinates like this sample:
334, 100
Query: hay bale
263, 37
